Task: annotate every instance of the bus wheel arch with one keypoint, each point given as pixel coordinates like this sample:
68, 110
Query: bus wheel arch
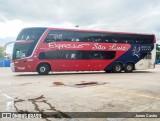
129, 67
43, 68
117, 67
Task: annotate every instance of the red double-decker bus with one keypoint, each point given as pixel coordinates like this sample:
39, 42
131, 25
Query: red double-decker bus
43, 50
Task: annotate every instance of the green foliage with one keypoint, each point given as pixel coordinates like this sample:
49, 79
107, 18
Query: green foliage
157, 47
1, 52
157, 51
158, 55
1, 56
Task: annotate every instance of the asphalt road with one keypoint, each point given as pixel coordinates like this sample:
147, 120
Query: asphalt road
80, 92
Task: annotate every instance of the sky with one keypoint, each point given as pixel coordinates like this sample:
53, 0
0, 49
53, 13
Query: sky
140, 16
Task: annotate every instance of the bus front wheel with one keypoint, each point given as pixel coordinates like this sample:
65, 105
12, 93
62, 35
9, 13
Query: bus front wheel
43, 69
117, 68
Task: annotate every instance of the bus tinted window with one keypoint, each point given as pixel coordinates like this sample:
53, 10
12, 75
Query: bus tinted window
73, 36
144, 39
57, 35
78, 55
30, 34
77, 36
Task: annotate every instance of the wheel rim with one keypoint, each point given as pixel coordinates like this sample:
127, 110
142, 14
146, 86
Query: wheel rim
129, 67
42, 69
118, 68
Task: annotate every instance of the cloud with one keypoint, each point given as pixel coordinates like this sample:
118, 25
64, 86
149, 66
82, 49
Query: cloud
9, 48
6, 40
114, 15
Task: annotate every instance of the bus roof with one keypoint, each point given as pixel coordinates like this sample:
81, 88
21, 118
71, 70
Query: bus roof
112, 32
83, 30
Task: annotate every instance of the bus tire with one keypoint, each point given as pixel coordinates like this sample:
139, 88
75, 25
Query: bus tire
117, 68
43, 69
128, 67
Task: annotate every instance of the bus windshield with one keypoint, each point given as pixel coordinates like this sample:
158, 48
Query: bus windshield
30, 34
22, 50
21, 53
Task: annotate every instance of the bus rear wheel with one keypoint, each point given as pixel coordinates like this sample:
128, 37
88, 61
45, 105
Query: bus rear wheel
128, 68
117, 68
43, 69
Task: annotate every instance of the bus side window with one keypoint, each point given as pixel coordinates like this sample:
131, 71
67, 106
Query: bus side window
96, 55
138, 42
70, 55
42, 55
49, 39
84, 55
115, 40
131, 41
75, 40
124, 41
60, 54
73, 56
106, 40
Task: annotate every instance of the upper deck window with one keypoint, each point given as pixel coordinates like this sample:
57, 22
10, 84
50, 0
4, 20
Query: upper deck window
97, 37
30, 34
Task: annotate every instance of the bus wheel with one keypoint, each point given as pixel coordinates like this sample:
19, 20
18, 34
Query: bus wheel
43, 69
117, 68
128, 68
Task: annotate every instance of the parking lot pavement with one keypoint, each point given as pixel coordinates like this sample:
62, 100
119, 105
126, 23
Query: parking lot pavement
80, 92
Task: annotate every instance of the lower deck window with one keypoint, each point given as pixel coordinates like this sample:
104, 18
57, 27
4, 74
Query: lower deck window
77, 55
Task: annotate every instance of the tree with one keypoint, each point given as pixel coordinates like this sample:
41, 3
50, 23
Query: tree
1, 52
157, 51
157, 47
